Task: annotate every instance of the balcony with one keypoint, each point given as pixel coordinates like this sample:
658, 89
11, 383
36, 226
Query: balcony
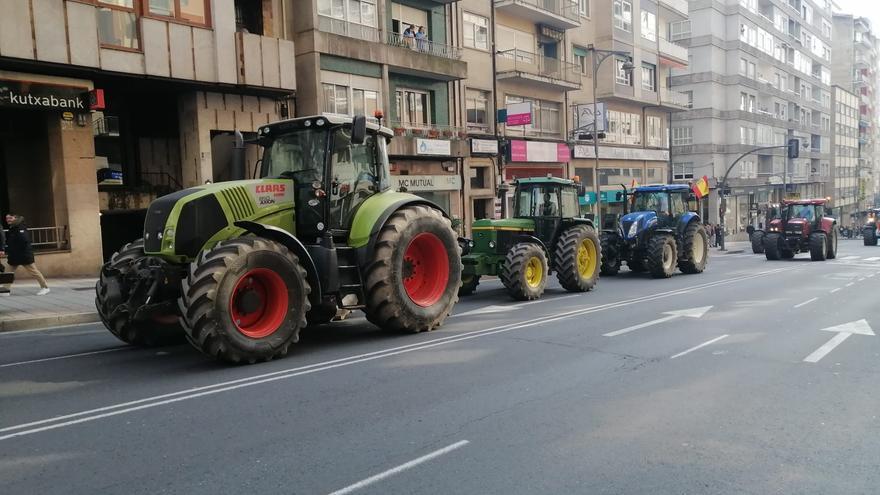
679, 7
560, 14
674, 99
517, 65
423, 46
265, 61
347, 29
673, 52
407, 136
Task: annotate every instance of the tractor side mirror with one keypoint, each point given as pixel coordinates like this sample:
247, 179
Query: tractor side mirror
619, 196
358, 129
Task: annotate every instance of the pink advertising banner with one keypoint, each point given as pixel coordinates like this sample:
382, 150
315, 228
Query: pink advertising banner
519, 113
540, 152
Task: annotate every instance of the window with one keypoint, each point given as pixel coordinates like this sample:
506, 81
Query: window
654, 131
682, 136
649, 77
194, 11
584, 8
477, 109
359, 16
746, 135
682, 170
622, 76
580, 59
545, 116
649, 26
413, 107
624, 128
690, 98
335, 98
475, 31
364, 102
623, 14
117, 24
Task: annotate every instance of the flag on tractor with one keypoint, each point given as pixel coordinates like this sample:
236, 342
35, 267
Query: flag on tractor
634, 184
701, 187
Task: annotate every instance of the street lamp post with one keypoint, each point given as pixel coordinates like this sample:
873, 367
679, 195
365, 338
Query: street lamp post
598, 56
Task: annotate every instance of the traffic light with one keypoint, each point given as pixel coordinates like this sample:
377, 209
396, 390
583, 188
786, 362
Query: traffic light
794, 148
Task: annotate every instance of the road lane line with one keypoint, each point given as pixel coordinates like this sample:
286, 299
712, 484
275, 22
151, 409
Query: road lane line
195, 392
399, 469
639, 326
829, 346
704, 344
835, 290
808, 301
850, 284
861, 279
67, 356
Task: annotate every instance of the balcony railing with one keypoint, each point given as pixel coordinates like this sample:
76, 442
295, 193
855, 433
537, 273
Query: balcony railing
429, 131
538, 65
673, 50
674, 98
349, 29
423, 46
561, 8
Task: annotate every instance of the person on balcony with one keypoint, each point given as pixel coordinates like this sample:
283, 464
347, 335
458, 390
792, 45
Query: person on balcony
20, 253
409, 36
422, 39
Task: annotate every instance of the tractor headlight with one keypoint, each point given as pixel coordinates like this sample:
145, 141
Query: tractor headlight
491, 244
168, 238
633, 229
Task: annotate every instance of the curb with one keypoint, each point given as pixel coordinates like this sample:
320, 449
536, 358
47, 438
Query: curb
48, 321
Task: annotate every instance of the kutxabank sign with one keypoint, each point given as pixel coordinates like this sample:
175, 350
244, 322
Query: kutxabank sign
38, 96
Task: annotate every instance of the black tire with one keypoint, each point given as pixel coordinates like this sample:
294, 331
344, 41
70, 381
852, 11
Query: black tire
389, 305
662, 256
869, 237
773, 246
758, 242
832, 245
469, 285
518, 273
208, 303
787, 254
578, 248
695, 250
112, 293
636, 264
818, 246
610, 257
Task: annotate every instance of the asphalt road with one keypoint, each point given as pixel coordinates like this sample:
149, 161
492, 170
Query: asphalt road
750, 385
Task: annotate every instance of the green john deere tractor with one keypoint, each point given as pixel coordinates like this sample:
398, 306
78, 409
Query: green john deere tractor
546, 234
239, 268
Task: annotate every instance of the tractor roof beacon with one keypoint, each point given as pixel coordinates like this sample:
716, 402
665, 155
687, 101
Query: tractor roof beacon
802, 226
239, 268
660, 233
547, 234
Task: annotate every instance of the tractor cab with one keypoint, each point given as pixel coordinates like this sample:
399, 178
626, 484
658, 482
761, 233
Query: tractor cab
547, 202
655, 206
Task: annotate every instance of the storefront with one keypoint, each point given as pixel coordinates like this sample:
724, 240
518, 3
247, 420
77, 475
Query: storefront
481, 173
431, 169
534, 159
47, 169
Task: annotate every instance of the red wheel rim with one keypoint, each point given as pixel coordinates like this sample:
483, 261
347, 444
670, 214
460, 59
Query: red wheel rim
266, 293
425, 269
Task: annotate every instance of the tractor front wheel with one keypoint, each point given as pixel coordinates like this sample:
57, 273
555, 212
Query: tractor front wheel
869, 237
117, 298
469, 285
524, 273
662, 256
245, 300
578, 258
832, 244
773, 247
413, 277
758, 242
610, 255
695, 247
818, 246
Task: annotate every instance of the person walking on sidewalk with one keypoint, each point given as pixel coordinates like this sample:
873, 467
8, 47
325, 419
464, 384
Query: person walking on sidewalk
20, 252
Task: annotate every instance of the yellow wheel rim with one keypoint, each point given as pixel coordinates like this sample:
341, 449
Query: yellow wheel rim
586, 258
534, 272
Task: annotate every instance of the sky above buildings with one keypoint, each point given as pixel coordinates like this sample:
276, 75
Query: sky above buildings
861, 8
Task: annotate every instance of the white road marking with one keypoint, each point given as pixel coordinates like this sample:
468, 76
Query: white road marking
62, 327
851, 257
873, 258
489, 310
399, 469
683, 313
808, 301
850, 284
860, 327
704, 344
196, 392
861, 279
835, 290
43, 360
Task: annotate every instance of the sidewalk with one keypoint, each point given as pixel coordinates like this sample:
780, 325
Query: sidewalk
733, 247
70, 301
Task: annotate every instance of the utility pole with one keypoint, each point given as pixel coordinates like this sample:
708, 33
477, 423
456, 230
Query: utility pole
788, 161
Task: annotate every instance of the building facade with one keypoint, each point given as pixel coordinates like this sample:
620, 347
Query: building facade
845, 183
106, 104
760, 73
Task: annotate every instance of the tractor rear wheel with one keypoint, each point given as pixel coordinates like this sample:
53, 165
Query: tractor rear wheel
113, 293
818, 246
758, 242
469, 285
245, 300
773, 246
869, 237
610, 257
832, 244
662, 256
524, 273
577, 259
414, 272
695, 247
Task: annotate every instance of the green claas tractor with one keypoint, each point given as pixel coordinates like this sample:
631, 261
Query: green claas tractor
240, 267
545, 235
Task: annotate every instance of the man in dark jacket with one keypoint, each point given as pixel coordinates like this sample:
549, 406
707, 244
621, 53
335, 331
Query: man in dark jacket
20, 253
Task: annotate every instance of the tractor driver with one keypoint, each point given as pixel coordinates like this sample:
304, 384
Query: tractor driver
550, 208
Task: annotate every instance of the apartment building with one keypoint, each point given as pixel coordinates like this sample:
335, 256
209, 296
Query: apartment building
854, 68
105, 104
845, 184
760, 72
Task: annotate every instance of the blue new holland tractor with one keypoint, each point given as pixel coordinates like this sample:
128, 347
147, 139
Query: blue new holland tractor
658, 231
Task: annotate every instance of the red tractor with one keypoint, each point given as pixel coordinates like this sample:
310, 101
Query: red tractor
802, 227
872, 227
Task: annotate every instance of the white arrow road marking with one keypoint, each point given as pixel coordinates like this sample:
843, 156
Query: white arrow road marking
489, 309
681, 313
850, 258
704, 344
860, 327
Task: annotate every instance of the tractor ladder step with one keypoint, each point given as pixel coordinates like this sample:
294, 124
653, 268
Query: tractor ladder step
350, 277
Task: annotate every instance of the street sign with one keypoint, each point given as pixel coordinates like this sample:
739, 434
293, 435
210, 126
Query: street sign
585, 116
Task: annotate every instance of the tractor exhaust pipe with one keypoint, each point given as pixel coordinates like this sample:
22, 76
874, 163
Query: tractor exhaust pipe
238, 159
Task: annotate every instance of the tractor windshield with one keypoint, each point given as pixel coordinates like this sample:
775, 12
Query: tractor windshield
294, 152
538, 201
651, 201
801, 211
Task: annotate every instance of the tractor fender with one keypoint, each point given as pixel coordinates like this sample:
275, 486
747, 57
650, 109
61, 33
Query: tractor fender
581, 221
531, 240
379, 218
289, 241
686, 220
828, 224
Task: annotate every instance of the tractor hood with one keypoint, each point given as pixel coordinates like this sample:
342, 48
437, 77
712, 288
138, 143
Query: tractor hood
518, 224
636, 222
797, 226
